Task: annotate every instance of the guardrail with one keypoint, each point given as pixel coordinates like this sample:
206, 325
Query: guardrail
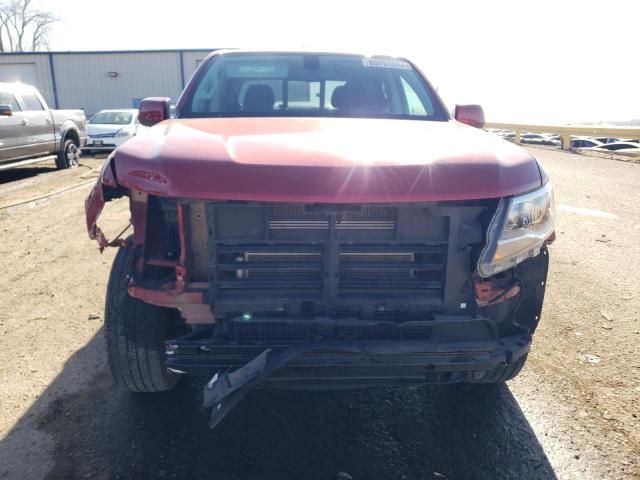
566, 131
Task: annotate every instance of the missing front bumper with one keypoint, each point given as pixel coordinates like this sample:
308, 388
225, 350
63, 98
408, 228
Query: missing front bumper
446, 348
330, 364
356, 363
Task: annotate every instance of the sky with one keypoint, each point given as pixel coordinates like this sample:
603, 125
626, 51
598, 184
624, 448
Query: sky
536, 61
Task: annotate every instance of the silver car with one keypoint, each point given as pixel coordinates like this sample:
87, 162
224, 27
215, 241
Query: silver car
109, 129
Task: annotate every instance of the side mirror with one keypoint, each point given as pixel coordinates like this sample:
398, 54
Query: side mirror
6, 110
153, 110
470, 114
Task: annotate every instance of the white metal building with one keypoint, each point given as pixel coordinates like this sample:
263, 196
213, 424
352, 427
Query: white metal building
96, 80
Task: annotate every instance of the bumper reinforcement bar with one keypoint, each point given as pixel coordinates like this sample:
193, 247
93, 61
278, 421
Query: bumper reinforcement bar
224, 391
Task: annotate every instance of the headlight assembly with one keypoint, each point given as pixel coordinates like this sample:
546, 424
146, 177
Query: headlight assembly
518, 230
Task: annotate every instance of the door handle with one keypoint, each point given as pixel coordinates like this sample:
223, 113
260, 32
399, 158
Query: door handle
25, 122
48, 120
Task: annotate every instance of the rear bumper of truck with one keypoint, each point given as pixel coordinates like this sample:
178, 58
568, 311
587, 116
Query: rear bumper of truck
447, 350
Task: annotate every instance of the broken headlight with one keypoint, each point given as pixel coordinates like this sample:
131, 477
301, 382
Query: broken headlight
518, 230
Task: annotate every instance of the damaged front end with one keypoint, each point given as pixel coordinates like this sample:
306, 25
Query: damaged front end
159, 240
105, 189
335, 296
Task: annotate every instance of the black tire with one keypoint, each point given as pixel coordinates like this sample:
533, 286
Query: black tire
135, 334
503, 373
69, 155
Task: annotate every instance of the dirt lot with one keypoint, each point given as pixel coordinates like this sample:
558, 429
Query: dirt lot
573, 413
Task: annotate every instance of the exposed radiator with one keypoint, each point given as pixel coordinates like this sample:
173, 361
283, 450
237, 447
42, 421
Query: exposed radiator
287, 257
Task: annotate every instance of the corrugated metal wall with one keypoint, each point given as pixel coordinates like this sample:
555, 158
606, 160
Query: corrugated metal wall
96, 80
84, 80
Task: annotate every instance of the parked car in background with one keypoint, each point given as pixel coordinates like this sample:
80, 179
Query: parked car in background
625, 147
585, 142
501, 132
540, 139
285, 232
506, 134
30, 132
109, 129
611, 139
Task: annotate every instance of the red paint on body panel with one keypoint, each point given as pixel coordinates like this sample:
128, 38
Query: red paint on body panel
323, 160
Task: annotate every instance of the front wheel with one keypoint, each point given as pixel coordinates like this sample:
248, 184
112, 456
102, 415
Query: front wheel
69, 155
135, 334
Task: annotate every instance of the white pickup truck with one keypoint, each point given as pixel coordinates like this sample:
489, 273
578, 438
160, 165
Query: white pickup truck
31, 132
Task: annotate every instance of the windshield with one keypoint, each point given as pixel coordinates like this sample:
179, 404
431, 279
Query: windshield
111, 118
303, 85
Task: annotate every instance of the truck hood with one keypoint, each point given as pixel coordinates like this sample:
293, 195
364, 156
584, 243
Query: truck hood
323, 160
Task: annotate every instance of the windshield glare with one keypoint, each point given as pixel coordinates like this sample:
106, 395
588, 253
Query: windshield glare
111, 118
303, 85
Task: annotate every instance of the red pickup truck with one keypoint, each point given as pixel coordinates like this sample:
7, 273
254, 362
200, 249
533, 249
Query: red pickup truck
317, 220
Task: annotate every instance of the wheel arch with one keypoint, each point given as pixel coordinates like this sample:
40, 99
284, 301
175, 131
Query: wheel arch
69, 131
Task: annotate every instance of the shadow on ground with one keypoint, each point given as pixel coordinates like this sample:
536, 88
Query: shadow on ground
417, 432
20, 173
32, 171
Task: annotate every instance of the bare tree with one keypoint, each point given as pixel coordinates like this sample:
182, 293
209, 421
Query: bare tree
3, 27
23, 27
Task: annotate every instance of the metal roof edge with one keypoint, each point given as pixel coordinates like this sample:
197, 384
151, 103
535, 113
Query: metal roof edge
100, 52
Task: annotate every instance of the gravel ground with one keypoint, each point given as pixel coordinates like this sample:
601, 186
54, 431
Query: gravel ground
573, 413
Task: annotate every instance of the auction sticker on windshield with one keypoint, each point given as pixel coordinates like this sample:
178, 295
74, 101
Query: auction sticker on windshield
380, 63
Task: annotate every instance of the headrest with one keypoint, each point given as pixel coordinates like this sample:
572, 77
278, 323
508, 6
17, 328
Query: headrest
259, 98
339, 97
